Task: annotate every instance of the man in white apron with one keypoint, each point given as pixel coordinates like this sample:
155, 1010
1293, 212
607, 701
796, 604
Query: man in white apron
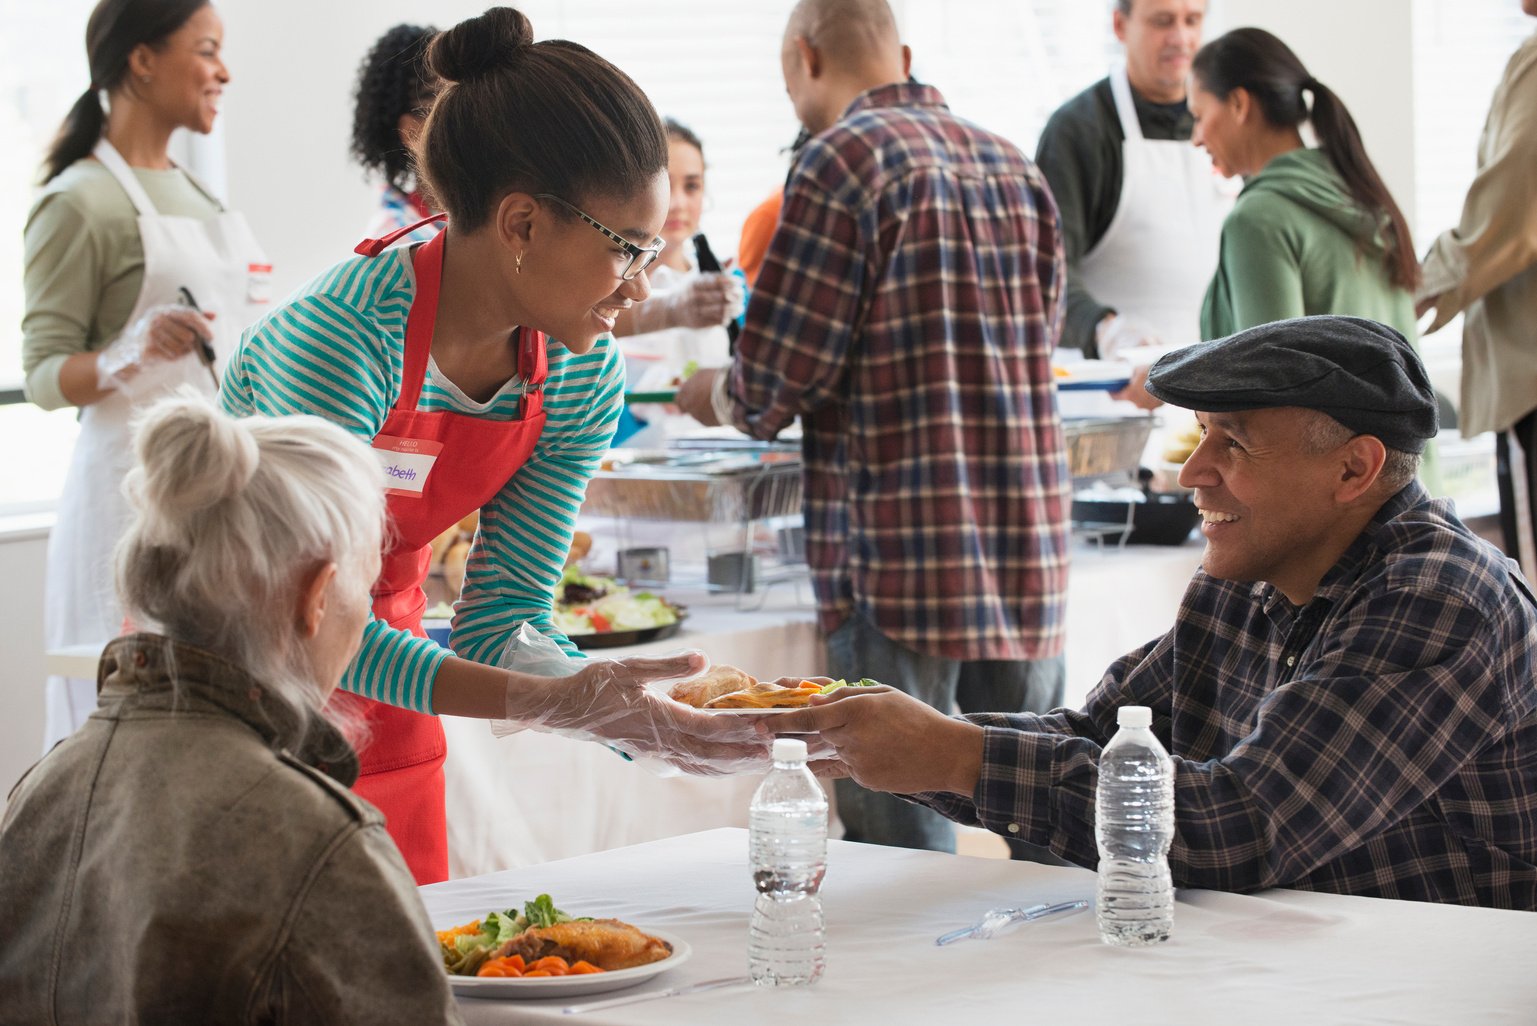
1141, 207
216, 264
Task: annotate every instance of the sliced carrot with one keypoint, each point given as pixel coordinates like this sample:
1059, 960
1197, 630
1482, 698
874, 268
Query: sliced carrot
581, 967
553, 964
537, 972
512, 965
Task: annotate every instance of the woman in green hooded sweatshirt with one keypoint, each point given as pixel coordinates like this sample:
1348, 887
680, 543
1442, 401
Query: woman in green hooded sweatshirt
1315, 231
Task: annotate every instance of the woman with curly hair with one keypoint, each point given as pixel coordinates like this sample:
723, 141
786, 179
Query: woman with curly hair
395, 91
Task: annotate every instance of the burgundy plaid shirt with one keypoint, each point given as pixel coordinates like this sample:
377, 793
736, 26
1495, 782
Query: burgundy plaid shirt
906, 311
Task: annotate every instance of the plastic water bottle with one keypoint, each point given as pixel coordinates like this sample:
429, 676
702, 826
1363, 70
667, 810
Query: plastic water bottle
787, 825
1133, 825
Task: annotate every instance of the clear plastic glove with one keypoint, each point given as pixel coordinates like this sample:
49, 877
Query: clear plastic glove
162, 334
621, 703
1118, 333
704, 301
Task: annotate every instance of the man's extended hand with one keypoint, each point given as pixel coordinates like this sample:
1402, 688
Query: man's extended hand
889, 741
695, 396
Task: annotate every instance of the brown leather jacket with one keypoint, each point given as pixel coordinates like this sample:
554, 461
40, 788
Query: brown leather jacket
171, 863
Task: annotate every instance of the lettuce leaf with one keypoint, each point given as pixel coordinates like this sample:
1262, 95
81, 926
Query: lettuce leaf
863, 682
542, 913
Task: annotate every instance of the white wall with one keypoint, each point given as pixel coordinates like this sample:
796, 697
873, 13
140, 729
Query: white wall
22, 555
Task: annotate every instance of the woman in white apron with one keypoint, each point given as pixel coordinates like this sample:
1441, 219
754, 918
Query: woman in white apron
138, 281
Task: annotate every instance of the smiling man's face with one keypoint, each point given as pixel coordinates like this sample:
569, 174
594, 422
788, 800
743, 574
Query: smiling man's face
1268, 510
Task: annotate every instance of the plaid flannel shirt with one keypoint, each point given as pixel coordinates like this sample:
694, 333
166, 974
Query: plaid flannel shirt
1380, 740
906, 311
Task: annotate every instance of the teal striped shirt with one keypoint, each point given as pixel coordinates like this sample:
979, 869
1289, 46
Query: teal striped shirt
335, 350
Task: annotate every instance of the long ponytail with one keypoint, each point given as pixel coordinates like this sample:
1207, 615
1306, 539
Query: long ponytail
77, 136
1340, 141
116, 28
1259, 63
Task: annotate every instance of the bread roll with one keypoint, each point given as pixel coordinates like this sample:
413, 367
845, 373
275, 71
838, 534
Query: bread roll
718, 681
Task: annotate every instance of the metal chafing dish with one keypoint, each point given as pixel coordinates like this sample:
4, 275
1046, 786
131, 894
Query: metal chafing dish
714, 485
744, 495
1099, 447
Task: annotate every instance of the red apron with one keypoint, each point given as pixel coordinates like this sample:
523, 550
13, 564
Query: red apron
402, 762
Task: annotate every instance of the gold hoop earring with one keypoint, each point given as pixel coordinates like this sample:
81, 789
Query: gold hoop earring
518, 263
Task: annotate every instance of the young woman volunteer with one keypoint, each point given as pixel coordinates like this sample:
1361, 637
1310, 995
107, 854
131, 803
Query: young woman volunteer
137, 281
480, 367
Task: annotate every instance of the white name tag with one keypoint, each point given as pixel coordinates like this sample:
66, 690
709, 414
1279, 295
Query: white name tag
258, 283
407, 463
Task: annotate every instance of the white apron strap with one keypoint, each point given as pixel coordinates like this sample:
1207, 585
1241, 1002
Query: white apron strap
197, 183
113, 161
1120, 88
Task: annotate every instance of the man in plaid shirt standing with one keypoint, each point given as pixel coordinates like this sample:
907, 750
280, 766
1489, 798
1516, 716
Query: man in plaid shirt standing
906, 312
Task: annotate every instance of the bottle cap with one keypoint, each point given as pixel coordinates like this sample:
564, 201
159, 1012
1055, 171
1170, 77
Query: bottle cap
1132, 717
789, 749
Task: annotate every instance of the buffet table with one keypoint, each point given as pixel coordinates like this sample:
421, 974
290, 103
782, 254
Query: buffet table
1280, 957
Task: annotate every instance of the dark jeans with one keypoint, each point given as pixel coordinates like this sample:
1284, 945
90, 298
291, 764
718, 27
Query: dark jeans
856, 649
1511, 525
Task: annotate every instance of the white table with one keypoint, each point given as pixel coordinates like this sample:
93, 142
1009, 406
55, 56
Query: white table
1282, 957
1119, 600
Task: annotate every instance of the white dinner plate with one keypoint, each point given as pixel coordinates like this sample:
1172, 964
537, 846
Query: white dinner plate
513, 988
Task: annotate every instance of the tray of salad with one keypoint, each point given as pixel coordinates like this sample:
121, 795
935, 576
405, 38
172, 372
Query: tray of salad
599, 612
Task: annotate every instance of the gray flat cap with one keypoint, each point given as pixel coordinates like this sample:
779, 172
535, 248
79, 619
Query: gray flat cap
1363, 374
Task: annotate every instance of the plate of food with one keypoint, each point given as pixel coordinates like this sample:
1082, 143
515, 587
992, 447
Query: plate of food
729, 691
599, 612
542, 952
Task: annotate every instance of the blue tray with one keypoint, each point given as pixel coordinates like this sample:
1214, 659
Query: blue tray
1093, 386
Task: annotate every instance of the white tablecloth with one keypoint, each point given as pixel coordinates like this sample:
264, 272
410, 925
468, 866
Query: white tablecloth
534, 797
1283, 957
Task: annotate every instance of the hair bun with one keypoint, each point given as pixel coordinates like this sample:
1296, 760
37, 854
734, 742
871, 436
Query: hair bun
481, 46
191, 456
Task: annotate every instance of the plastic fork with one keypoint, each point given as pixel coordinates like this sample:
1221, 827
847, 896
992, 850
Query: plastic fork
1000, 920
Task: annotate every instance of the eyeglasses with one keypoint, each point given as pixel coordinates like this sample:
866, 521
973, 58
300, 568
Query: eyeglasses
641, 257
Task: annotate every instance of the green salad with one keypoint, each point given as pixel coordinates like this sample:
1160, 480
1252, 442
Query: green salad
589, 604
466, 947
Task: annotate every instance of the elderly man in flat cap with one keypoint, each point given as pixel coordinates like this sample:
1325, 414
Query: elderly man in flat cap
1348, 690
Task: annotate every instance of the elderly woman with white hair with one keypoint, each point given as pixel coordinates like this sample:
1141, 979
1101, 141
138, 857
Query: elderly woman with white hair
194, 853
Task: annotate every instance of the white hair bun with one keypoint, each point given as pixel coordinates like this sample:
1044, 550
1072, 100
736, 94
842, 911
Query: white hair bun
190, 458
